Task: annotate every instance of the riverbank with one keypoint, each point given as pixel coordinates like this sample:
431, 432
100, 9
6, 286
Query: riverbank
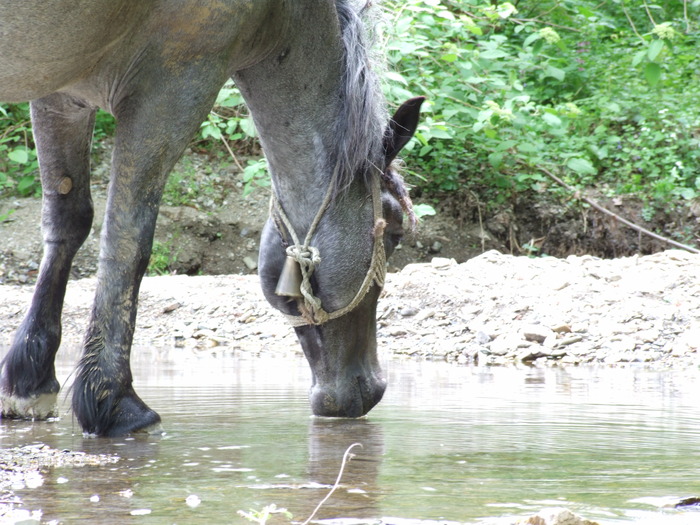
494, 309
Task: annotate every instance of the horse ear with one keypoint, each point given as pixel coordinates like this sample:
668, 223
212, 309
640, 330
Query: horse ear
401, 128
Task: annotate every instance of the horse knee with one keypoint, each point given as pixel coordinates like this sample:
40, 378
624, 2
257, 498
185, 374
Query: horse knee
67, 223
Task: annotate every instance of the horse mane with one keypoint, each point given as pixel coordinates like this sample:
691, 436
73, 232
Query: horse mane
363, 115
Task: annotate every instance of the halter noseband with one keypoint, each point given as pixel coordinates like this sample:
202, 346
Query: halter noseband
308, 257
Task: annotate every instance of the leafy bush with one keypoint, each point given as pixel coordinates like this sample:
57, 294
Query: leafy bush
18, 163
594, 90
19, 167
601, 92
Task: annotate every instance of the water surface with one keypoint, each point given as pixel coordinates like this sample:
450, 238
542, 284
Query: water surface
447, 443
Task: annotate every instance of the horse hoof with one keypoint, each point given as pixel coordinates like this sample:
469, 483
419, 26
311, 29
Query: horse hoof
43, 406
142, 420
114, 416
155, 429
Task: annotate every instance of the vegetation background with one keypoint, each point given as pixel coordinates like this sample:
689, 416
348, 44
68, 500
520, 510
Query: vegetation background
603, 94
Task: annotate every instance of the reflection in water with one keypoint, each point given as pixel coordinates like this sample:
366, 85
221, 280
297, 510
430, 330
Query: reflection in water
447, 443
328, 441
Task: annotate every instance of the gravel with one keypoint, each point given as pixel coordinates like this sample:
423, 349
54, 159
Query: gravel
494, 309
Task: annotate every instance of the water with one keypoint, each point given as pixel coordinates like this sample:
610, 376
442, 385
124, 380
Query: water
447, 443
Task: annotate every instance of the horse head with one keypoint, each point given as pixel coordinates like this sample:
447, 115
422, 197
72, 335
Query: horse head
346, 247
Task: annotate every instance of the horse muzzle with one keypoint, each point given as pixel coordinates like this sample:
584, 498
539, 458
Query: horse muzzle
351, 397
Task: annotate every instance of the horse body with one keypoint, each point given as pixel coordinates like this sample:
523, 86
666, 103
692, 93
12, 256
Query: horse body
157, 67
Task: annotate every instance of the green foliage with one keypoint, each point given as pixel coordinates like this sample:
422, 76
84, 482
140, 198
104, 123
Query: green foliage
230, 124
188, 187
4, 217
163, 255
255, 175
18, 162
603, 93
19, 166
423, 210
229, 120
600, 92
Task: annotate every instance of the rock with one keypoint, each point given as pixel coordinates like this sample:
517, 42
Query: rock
408, 311
536, 334
570, 340
540, 352
688, 502
507, 344
442, 263
482, 337
171, 307
424, 314
250, 263
436, 247
555, 516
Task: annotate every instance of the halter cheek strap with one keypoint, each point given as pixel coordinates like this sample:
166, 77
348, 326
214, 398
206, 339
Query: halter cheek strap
308, 257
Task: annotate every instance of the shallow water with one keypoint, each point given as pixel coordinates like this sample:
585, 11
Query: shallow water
447, 443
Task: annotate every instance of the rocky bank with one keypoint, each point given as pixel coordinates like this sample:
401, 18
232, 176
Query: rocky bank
494, 309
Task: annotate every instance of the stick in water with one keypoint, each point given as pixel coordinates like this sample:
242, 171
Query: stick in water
346, 458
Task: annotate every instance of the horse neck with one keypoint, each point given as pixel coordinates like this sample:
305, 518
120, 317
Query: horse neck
293, 98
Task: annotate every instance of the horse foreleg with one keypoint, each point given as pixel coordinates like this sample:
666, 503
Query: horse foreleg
152, 131
62, 131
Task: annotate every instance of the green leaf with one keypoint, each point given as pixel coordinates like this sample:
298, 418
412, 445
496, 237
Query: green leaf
491, 133
527, 147
396, 77
538, 46
441, 133
209, 129
555, 72
551, 119
652, 72
26, 185
581, 166
496, 159
248, 127
493, 54
529, 40
19, 155
688, 193
421, 210
654, 49
638, 57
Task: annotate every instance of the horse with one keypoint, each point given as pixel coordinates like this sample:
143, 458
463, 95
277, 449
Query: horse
338, 204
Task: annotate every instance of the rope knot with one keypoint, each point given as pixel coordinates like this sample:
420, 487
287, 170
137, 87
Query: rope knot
308, 257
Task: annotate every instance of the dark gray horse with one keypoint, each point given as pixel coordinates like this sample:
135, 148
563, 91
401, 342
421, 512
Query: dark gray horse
157, 66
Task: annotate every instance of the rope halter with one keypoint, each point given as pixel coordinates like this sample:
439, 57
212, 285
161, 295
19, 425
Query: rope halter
308, 258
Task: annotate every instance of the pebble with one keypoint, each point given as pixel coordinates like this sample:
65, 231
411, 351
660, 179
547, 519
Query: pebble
408, 311
555, 516
250, 263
